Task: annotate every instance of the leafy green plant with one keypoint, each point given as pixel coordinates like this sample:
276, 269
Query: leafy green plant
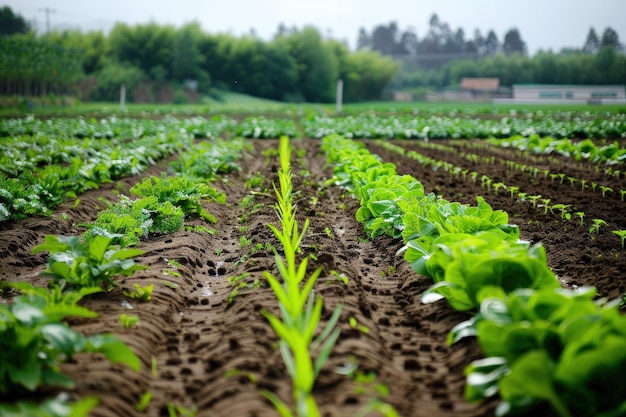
76, 263
128, 321
53, 407
140, 293
551, 346
144, 402
131, 219
181, 192
34, 341
468, 268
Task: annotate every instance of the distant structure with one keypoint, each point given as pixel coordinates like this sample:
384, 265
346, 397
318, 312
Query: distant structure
565, 93
475, 89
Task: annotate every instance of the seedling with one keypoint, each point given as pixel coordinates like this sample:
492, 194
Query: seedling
622, 236
144, 402
583, 185
533, 199
513, 189
581, 215
140, 293
572, 181
300, 310
595, 227
546, 205
355, 325
128, 321
565, 214
622, 193
605, 189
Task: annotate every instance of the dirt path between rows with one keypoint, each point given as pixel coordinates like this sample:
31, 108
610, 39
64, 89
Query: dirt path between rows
216, 354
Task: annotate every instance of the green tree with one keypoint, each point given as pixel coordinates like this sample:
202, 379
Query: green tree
187, 60
610, 38
513, 42
317, 65
147, 47
592, 43
11, 23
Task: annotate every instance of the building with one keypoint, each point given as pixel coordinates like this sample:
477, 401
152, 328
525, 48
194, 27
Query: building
564, 94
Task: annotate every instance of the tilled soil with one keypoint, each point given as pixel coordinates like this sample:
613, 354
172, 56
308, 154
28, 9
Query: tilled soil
215, 351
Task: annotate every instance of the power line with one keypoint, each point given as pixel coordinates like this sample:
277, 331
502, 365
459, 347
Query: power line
47, 10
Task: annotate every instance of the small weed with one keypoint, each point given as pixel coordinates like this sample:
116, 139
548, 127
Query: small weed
140, 293
244, 242
144, 402
128, 321
171, 285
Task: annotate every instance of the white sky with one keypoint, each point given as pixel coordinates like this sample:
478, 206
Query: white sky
543, 24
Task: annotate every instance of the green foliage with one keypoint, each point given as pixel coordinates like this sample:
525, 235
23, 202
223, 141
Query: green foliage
549, 346
49, 408
34, 341
467, 268
77, 263
111, 76
128, 220
140, 293
181, 192
128, 321
300, 310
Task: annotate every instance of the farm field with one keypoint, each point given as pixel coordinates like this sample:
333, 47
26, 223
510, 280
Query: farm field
202, 340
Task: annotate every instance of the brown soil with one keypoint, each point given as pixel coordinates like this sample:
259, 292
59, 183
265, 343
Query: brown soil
217, 355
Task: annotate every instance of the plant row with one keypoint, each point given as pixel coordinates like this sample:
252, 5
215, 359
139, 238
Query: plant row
130, 128
611, 154
34, 336
442, 127
549, 351
27, 188
566, 211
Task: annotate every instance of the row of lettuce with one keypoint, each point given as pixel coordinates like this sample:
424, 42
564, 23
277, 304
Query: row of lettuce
34, 335
548, 350
317, 125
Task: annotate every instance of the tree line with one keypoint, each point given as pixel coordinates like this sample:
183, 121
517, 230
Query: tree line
296, 65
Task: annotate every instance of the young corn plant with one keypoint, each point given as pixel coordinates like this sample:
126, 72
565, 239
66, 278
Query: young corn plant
300, 309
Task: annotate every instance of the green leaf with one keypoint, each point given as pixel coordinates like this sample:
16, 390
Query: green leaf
114, 350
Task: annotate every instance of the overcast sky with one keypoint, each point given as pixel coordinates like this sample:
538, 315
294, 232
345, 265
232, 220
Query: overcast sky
543, 24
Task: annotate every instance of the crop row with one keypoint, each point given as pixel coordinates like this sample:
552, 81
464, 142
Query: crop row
318, 125
34, 336
548, 350
516, 191
438, 127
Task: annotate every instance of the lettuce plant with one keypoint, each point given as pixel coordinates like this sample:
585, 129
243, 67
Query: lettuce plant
468, 267
181, 192
549, 348
77, 263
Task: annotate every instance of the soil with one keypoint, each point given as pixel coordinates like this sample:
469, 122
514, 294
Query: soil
216, 354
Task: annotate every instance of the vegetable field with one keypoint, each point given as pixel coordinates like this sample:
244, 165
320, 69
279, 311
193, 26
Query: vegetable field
448, 264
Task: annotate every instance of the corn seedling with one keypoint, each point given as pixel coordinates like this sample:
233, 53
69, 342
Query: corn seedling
300, 310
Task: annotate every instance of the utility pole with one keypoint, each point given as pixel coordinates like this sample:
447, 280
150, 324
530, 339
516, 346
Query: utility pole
47, 10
